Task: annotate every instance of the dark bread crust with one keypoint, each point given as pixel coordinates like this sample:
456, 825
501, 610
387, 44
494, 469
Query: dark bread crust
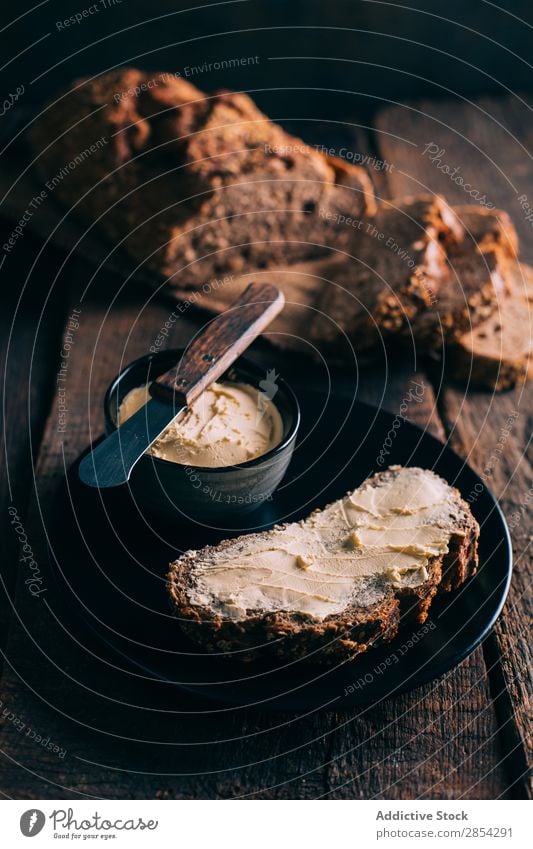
498, 353
416, 274
477, 278
397, 262
336, 638
196, 184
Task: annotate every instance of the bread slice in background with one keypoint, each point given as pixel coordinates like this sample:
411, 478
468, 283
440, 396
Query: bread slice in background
336, 584
498, 353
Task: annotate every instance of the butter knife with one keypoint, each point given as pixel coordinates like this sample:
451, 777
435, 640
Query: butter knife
208, 356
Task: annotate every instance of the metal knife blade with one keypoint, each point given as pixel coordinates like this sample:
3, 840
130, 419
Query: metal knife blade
111, 462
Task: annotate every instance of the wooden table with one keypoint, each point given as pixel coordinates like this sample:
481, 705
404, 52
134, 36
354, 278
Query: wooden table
464, 736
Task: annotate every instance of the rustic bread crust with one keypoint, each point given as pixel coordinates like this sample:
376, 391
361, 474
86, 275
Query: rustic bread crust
336, 638
498, 353
489, 228
397, 262
477, 278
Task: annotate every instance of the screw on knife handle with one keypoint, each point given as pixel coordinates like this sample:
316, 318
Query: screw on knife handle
216, 347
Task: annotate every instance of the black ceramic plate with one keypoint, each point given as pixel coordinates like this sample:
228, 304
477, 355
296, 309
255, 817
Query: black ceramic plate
110, 561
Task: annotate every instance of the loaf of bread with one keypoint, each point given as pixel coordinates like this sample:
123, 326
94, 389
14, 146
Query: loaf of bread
193, 186
498, 353
336, 584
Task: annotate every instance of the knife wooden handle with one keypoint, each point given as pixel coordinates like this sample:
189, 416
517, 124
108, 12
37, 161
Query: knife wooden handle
219, 344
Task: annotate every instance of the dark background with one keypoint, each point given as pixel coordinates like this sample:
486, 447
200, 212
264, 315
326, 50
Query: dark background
365, 53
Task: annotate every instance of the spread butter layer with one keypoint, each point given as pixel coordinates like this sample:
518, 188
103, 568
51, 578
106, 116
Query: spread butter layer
387, 532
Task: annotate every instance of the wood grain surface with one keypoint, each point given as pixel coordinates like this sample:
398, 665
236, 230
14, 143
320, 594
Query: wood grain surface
115, 735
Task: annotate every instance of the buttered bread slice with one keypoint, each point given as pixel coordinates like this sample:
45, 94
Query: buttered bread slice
336, 583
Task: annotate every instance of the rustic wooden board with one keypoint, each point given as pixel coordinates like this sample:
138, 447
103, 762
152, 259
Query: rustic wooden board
490, 144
